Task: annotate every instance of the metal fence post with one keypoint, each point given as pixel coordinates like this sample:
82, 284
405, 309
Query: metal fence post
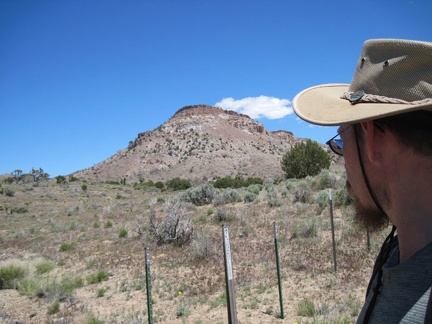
278, 270
229, 278
333, 231
148, 286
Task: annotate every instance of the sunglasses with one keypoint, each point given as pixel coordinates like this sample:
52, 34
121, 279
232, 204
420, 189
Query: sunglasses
336, 144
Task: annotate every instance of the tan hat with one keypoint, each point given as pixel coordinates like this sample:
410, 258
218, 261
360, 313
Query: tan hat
392, 77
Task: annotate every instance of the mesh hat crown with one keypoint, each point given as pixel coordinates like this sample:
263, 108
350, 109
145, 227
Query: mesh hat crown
391, 77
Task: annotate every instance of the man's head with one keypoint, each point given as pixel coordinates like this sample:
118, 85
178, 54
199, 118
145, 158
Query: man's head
391, 77
389, 98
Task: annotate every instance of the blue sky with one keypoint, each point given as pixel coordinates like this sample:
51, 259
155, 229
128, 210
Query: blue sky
79, 79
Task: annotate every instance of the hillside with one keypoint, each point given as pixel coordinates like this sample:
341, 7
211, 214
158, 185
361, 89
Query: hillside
77, 252
199, 142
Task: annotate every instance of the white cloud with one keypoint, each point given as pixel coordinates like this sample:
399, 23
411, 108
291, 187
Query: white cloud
257, 107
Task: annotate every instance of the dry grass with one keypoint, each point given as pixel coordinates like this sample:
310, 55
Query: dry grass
70, 234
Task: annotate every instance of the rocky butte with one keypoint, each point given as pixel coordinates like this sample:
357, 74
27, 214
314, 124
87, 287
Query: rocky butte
198, 143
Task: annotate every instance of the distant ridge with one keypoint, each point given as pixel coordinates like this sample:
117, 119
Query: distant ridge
199, 143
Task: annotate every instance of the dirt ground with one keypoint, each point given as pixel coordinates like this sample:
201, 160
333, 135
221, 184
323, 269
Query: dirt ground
188, 285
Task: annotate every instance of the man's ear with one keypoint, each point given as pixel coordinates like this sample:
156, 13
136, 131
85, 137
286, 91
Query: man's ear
372, 140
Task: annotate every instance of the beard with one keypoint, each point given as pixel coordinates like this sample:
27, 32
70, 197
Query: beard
370, 218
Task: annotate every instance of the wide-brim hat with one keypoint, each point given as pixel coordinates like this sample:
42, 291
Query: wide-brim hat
392, 77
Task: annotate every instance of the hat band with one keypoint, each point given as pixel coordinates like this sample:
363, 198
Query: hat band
360, 96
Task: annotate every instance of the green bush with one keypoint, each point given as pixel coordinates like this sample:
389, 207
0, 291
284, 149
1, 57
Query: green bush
54, 308
159, 184
44, 267
60, 179
101, 292
9, 180
72, 178
255, 188
341, 198
249, 197
97, 277
237, 182
10, 276
69, 284
306, 308
305, 159
8, 192
68, 246
123, 232
178, 184
19, 210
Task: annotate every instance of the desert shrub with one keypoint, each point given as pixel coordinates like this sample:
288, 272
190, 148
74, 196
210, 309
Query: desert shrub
237, 182
54, 308
273, 201
29, 287
8, 192
176, 227
226, 182
60, 179
203, 246
123, 232
300, 208
44, 267
253, 180
100, 292
67, 246
42, 288
19, 210
9, 180
183, 309
307, 229
255, 188
290, 184
249, 197
201, 195
148, 185
325, 179
269, 187
227, 196
341, 198
302, 194
178, 184
72, 178
306, 308
97, 277
159, 185
10, 276
305, 159
91, 319
221, 215
69, 284
322, 200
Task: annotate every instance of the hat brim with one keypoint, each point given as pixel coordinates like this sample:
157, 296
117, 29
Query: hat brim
322, 105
